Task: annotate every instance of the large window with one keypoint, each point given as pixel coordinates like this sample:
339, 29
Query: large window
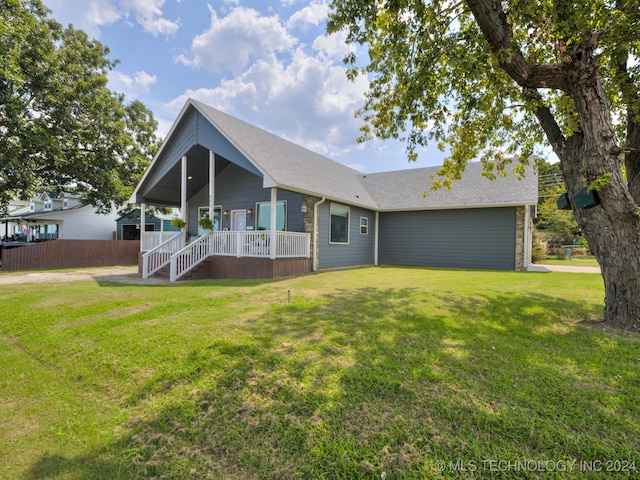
339, 224
263, 215
217, 215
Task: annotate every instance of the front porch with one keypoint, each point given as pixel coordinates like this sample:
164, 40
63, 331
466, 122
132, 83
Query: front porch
226, 254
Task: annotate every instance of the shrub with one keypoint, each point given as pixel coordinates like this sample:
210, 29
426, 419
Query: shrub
538, 249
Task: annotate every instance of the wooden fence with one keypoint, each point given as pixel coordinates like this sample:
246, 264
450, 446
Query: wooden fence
71, 254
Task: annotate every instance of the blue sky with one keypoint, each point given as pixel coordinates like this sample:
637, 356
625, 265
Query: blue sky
267, 62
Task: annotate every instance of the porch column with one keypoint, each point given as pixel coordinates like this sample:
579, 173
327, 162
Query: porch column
143, 224
183, 190
212, 191
274, 201
212, 188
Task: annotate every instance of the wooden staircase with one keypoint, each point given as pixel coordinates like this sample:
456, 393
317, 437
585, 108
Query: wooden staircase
164, 273
198, 273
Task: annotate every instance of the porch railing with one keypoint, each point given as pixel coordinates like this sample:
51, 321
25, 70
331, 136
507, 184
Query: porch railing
190, 256
156, 258
258, 244
293, 245
150, 240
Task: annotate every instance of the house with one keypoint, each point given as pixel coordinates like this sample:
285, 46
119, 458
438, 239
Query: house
128, 224
280, 209
54, 215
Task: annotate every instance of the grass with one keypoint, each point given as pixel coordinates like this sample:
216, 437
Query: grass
395, 373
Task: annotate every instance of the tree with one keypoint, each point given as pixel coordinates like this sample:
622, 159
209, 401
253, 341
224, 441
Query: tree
494, 79
61, 127
556, 226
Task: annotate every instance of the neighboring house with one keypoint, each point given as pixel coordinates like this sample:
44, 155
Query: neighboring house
52, 215
128, 225
278, 201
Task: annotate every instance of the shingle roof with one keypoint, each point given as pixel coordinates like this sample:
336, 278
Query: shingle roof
290, 166
404, 189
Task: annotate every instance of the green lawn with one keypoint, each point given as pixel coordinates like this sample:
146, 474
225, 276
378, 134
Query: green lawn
372, 373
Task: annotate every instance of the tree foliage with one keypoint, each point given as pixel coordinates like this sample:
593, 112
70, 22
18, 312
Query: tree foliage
61, 128
436, 78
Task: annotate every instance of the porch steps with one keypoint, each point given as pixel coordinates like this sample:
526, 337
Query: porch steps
164, 273
198, 273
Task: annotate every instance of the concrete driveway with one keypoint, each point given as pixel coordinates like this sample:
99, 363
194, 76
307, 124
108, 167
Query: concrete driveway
563, 268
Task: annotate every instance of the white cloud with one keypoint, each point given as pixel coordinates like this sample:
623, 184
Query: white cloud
313, 14
308, 101
91, 15
131, 86
148, 13
236, 40
277, 82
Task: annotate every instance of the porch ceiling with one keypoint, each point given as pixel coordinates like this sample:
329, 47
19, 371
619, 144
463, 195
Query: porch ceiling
166, 191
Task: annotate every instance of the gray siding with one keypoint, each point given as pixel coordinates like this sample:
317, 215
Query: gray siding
183, 138
469, 238
209, 137
359, 251
237, 189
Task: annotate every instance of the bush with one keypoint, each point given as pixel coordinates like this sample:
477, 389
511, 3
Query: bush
538, 250
561, 254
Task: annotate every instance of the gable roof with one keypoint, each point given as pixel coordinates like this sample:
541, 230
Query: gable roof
411, 189
289, 166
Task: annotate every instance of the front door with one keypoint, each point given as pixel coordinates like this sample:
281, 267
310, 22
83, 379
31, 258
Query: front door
238, 220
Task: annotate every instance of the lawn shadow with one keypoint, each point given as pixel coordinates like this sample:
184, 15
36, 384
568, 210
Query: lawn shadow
366, 381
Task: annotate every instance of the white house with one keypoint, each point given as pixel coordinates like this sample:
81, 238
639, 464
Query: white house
52, 215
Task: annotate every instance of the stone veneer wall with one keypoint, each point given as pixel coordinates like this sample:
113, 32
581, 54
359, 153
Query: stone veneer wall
520, 243
309, 201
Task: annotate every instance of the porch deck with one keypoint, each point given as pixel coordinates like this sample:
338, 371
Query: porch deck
247, 254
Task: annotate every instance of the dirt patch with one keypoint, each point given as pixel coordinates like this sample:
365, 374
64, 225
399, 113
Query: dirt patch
102, 274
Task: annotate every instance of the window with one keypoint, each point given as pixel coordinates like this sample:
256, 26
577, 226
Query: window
364, 226
263, 215
339, 224
217, 215
65, 203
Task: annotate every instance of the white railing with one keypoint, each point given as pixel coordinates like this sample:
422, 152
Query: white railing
190, 256
150, 240
258, 244
293, 245
156, 258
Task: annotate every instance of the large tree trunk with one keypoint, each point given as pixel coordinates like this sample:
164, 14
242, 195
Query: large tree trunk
613, 236
594, 155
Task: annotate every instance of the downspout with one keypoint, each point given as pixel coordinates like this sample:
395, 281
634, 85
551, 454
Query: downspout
376, 250
315, 232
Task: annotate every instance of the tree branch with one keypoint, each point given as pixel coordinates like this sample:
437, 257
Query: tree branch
546, 120
492, 20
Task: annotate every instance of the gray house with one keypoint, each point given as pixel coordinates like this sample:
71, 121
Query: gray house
279, 209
